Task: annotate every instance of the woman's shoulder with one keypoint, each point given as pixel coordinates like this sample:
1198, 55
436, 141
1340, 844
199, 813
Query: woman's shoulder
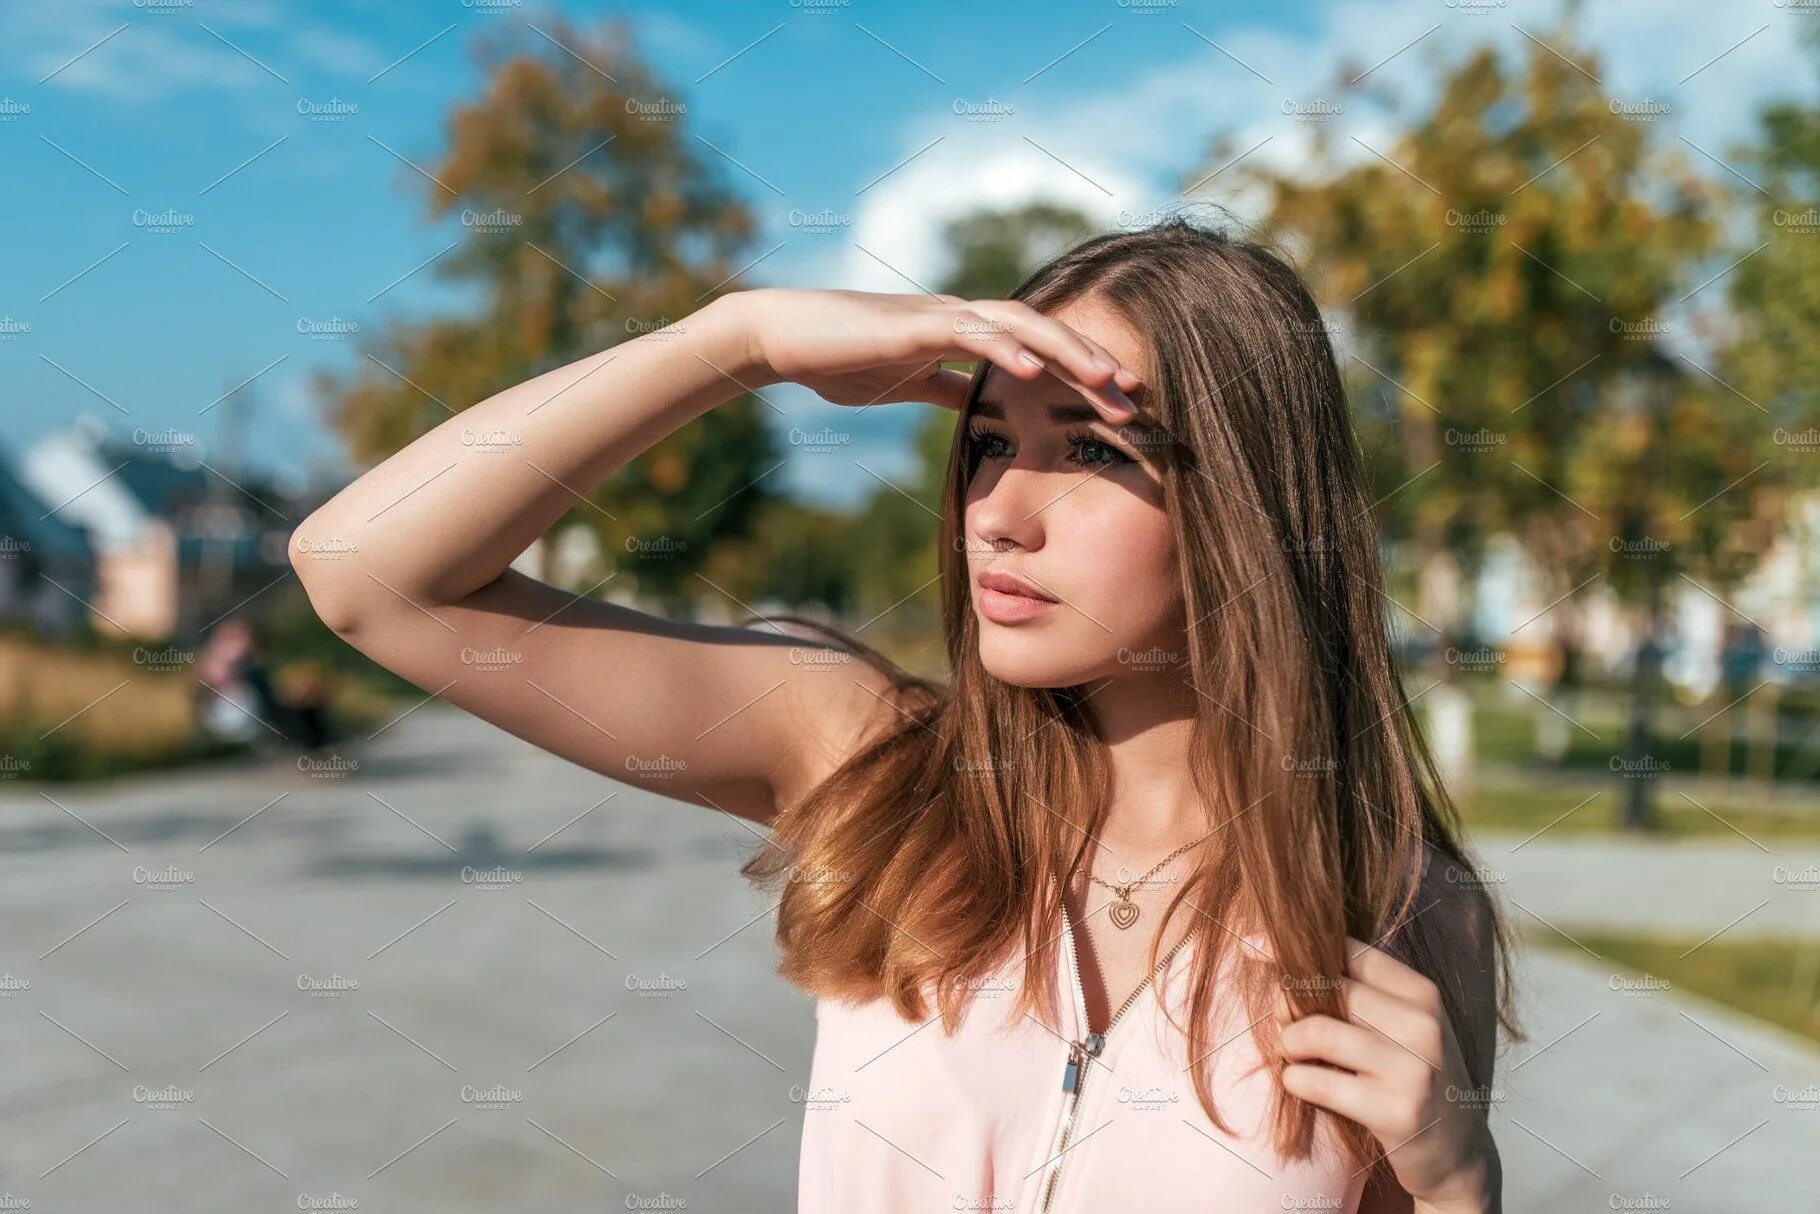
1456, 893
1455, 916
849, 698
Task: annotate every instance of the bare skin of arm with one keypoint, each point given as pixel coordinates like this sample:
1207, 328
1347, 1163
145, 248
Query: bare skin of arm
410, 563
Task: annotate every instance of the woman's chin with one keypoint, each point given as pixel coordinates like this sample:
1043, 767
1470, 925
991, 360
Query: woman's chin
1030, 666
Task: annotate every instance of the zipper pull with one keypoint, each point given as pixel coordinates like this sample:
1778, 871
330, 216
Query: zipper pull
1078, 1053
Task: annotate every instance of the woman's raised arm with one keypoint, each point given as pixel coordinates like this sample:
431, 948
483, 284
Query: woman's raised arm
411, 563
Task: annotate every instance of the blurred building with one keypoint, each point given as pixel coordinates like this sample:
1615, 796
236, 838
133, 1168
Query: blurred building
1774, 613
47, 567
176, 542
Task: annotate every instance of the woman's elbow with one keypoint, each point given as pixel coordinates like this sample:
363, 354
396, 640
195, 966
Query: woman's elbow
326, 567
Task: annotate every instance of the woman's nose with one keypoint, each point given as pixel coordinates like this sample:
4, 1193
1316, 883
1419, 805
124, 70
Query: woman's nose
1008, 510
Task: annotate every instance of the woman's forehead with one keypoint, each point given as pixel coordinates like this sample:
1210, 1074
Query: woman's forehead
1049, 398
1099, 321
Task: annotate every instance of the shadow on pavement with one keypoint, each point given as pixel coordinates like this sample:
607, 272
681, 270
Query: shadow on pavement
479, 850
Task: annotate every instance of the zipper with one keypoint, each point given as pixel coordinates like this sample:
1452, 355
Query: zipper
1081, 1053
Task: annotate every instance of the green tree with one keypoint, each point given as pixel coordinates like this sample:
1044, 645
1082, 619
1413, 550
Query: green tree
1508, 269
1772, 363
991, 252
587, 217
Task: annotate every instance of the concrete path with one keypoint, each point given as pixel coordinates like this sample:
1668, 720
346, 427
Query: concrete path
1628, 1090
1627, 1095
453, 978
463, 1044
1735, 885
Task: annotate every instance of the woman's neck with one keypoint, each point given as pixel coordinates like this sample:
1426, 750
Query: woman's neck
1155, 808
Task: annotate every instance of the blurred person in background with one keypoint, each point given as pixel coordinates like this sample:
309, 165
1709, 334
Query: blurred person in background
236, 703
244, 699
303, 688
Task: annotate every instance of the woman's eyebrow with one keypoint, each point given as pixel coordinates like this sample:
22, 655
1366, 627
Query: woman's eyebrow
1073, 412
1065, 414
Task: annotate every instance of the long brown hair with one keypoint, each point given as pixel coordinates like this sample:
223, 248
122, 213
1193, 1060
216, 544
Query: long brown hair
945, 842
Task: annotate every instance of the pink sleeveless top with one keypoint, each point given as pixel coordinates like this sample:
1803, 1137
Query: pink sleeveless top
1018, 1118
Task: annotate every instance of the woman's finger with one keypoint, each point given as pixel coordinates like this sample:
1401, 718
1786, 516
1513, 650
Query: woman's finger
1336, 1042
1348, 1095
929, 381
1375, 967
946, 387
1086, 359
1125, 377
1413, 1033
1109, 399
968, 335
1036, 344
982, 341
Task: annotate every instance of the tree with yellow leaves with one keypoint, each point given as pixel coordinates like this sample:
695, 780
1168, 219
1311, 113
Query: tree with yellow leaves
588, 217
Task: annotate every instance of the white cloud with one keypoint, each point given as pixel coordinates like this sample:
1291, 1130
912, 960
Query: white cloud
140, 53
1126, 147
897, 232
129, 60
1130, 145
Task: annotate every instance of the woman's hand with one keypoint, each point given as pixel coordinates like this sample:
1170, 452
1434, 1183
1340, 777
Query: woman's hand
1394, 1066
860, 348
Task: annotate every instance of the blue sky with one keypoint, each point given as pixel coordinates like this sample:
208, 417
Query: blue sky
111, 113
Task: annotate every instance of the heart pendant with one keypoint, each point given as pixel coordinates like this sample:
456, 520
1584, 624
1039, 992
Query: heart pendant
1124, 914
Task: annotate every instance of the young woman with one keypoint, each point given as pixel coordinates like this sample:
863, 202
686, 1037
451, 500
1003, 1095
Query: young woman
1156, 904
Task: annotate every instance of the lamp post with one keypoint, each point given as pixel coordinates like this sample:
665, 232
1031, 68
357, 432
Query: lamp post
1654, 381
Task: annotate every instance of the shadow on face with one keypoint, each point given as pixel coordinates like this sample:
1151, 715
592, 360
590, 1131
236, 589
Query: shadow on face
1070, 553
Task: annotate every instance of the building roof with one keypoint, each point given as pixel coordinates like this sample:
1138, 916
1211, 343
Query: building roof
112, 487
27, 518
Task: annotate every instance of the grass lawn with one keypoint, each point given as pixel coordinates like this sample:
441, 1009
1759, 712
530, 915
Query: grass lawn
1758, 977
1504, 730
1525, 810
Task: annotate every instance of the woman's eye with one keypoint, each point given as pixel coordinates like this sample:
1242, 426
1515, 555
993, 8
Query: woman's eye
1083, 450
1091, 452
987, 445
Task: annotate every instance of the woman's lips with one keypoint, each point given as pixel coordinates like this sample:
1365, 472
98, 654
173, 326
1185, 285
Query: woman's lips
1005, 599
1002, 608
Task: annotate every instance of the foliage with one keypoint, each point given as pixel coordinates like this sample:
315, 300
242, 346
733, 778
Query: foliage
1771, 368
588, 217
1508, 269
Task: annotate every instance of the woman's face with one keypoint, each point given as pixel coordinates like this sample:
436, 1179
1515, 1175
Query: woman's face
1072, 564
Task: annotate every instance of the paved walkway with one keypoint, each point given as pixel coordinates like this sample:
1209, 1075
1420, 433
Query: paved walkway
1622, 1095
491, 1056
453, 979
1692, 888
1626, 1091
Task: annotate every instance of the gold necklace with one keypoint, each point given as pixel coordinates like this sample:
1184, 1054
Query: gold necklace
1124, 911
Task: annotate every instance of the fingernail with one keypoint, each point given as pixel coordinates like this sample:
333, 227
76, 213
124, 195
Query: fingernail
1128, 379
1104, 363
